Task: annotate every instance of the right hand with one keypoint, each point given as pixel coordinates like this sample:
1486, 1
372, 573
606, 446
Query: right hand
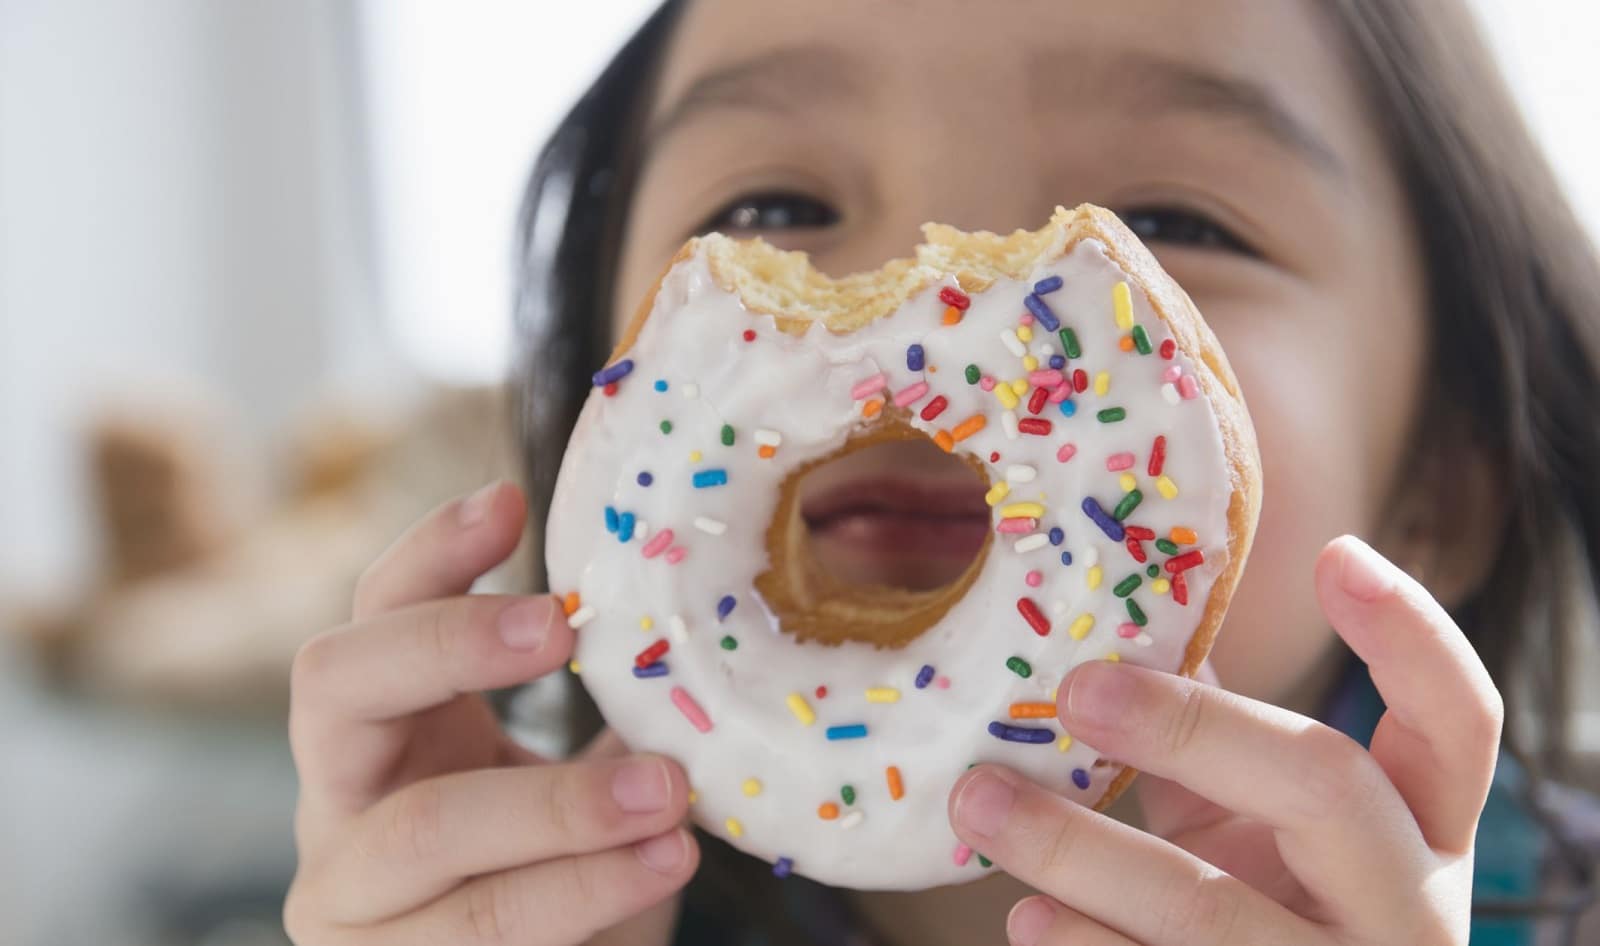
419, 820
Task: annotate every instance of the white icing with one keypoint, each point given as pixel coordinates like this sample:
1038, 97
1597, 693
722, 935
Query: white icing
796, 393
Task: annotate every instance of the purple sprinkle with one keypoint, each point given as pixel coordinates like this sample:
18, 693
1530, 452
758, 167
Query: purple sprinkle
1058, 362
914, 357
725, 607
1041, 312
1080, 778
1021, 733
613, 521
645, 479
924, 676
613, 373
1057, 536
657, 669
625, 527
782, 867
1066, 558
1047, 284
1111, 527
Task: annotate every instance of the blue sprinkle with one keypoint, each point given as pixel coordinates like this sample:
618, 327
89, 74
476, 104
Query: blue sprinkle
613, 521
1080, 778
852, 731
924, 676
713, 477
1041, 312
1021, 733
1058, 362
914, 357
625, 527
1047, 284
615, 372
1066, 558
661, 384
1057, 536
1067, 408
657, 669
782, 867
725, 607
645, 479
1111, 527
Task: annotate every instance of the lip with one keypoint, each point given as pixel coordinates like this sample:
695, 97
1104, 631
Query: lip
899, 515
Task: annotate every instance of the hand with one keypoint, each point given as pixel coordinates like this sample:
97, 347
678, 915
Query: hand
1273, 828
419, 820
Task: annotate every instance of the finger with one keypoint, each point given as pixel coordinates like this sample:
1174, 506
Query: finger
1327, 799
444, 553
1133, 882
1040, 921
430, 836
1440, 733
557, 902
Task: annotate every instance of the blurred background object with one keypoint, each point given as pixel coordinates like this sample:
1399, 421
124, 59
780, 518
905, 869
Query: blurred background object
255, 265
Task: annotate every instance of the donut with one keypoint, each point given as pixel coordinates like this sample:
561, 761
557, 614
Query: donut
822, 724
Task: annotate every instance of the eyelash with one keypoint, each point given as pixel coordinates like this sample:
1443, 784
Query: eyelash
1181, 227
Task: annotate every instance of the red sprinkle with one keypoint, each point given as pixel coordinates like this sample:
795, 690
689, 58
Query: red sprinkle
950, 295
935, 407
1180, 589
1034, 617
1036, 400
822, 692
1037, 426
994, 456
1136, 550
609, 390
1158, 456
1182, 563
652, 653
1168, 349
749, 335
1140, 532
1080, 380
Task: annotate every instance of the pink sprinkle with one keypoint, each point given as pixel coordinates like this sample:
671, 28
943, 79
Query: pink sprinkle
1118, 462
942, 683
962, 855
911, 395
1033, 578
658, 543
1045, 379
1128, 629
870, 386
1066, 452
1172, 374
675, 554
1016, 525
1060, 392
1025, 319
690, 709
987, 383
1188, 387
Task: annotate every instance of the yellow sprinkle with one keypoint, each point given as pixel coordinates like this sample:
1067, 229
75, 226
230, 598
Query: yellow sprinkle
1122, 303
574, 666
646, 624
883, 695
1030, 363
1025, 333
1019, 386
1064, 743
694, 796
1022, 511
1007, 397
752, 787
1053, 692
997, 492
1079, 629
1102, 383
694, 456
1161, 586
801, 709
735, 829
1167, 488
1127, 482
1114, 657
1094, 577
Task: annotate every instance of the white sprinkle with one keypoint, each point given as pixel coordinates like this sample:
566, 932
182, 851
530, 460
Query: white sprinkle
580, 617
1008, 420
710, 526
678, 629
1170, 394
851, 820
1058, 608
691, 391
1088, 556
1013, 344
1028, 543
1020, 473
767, 438
1047, 349
1143, 639
640, 529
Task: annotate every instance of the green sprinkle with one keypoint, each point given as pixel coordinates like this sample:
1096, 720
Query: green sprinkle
666, 426
985, 861
848, 793
1125, 506
1167, 546
728, 643
1154, 571
1111, 415
1127, 586
1019, 667
973, 374
727, 435
1135, 612
1141, 341
1069, 343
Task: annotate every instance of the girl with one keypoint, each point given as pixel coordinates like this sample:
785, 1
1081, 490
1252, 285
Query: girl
1346, 191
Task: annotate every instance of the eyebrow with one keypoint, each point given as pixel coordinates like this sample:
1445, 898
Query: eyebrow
783, 80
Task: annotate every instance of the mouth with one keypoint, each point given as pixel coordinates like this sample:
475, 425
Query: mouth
897, 529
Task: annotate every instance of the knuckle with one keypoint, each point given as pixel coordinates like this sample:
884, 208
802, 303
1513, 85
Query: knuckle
415, 824
297, 922
583, 880
559, 802
1058, 847
492, 912
1340, 778
1181, 727
1201, 910
313, 662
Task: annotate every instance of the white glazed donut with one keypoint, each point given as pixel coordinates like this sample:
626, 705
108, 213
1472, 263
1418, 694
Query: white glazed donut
1073, 372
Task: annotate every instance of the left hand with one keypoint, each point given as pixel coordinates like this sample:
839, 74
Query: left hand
1266, 826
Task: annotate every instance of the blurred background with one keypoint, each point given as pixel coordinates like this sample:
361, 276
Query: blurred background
254, 318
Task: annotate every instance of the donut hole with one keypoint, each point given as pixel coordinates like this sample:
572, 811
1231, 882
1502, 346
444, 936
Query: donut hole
875, 542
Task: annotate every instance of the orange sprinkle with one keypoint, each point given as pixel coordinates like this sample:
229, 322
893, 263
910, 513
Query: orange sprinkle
766, 452
897, 788
968, 427
1033, 710
946, 442
952, 315
827, 811
1183, 536
872, 407
1125, 343
569, 603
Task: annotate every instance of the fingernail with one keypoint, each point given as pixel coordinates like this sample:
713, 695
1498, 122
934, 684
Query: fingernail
641, 786
475, 508
1098, 693
984, 804
1363, 574
663, 853
1028, 921
526, 624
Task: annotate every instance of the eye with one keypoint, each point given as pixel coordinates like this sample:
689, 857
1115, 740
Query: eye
1180, 227
771, 210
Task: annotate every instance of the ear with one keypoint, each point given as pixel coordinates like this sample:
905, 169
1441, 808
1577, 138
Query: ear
1447, 512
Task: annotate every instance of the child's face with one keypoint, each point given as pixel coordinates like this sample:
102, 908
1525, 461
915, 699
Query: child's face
1229, 133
